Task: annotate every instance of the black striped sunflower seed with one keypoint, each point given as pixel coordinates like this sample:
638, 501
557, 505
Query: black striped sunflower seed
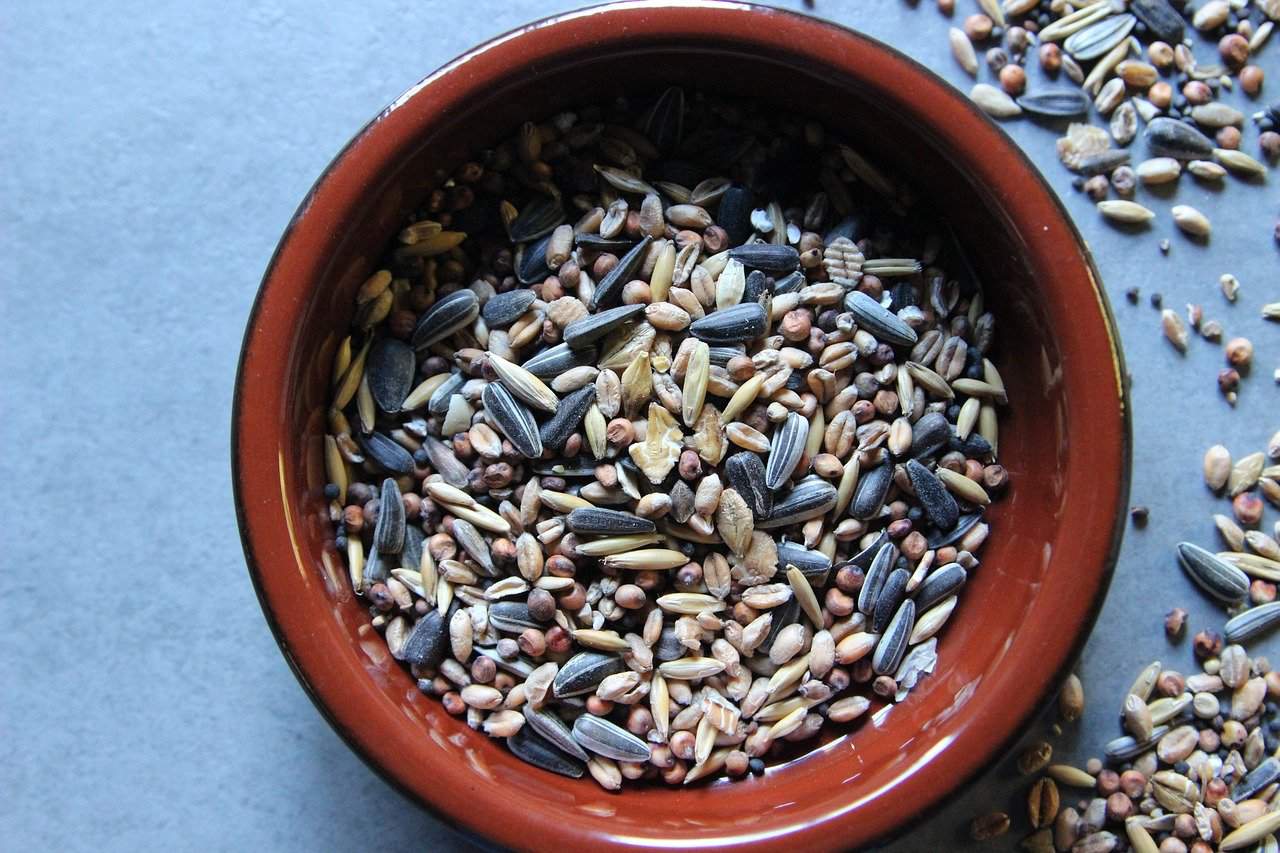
746, 475
503, 309
514, 419
814, 565
767, 256
551, 727
389, 371
532, 748
893, 642
871, 491
583, 672
734, 325
553, 361
939, 584
607, 522
1218, 578
879, 321
877, 573
591, 328
785, 450
386, 452
604, 738
609, 289
808, 499
538, 219
573, 407
888, 599
455, 311
388, 533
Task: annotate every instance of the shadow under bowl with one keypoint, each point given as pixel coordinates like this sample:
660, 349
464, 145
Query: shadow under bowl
1064, 437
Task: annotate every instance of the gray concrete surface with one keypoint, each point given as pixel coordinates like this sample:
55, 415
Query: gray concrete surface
150, 155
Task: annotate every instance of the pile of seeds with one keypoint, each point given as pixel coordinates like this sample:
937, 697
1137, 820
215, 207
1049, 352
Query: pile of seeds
1197, 770
1247, 573
651, 493
1132, 63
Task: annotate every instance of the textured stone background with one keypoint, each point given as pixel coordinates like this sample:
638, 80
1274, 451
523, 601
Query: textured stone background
151, 156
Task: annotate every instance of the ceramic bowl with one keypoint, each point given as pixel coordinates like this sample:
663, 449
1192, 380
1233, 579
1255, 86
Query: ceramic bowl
1065, 440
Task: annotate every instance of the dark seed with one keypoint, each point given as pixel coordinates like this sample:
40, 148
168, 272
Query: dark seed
1160, 18
550, 726
531, 261
447, 316
664, 123
785, 450
583, 672
720, 355
390, 370
388, 534
619, 245
757, 285
573, 407
975, 445
512, 617
1173, 138
891, 595
938, 503
386, 452
438, 404
503, 309
514, 419
1256, 779
609, 290
376, 569
734, 213
608, 522
472, 541
745, 474
878, 320
737, 324
1103, 162
814, 565
534, 749
767, 256
553, 361
787, 614
538, 219
788, 283
669, 646
411, 553
593, 327
941, 583
930, 434
1063, 103
893, 642
809, 498
428, 642
878, 572
871, 491
864, 558
942, 539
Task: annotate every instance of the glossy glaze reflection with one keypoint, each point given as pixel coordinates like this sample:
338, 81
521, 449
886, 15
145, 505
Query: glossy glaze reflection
1044, 569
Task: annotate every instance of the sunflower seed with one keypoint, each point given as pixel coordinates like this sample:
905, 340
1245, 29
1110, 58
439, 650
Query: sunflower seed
388, 533
389, 370
1252, 622
734, 213
893, 643
808, 499
515, 421
534, 749
538, 219
583, 672
787, 447
503, 309
1222, 581
739, 323
1062, 103
557, 359
609, 289
939, 584
871, 491
455, 311
930, 434
1160, 18
553, 729
1096, 39
888, 598
562, 424
966, 523
877, 572
386, 452
937, 502
1172, 138
608, 522
1126, 747
745, 473
1257, 779
593, 327
428, 642
878, 320
438, 403
604, 738
767, 256
663, 124
814, 565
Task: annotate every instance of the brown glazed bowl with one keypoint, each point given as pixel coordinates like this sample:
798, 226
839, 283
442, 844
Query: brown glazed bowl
1044, 571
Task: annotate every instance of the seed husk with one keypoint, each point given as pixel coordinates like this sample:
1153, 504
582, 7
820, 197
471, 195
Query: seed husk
994, 102
1245, 473
1071, 699
1217, 467
962, 50
1175, 330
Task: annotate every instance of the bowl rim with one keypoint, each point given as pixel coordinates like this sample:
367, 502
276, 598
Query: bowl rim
1069, 653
